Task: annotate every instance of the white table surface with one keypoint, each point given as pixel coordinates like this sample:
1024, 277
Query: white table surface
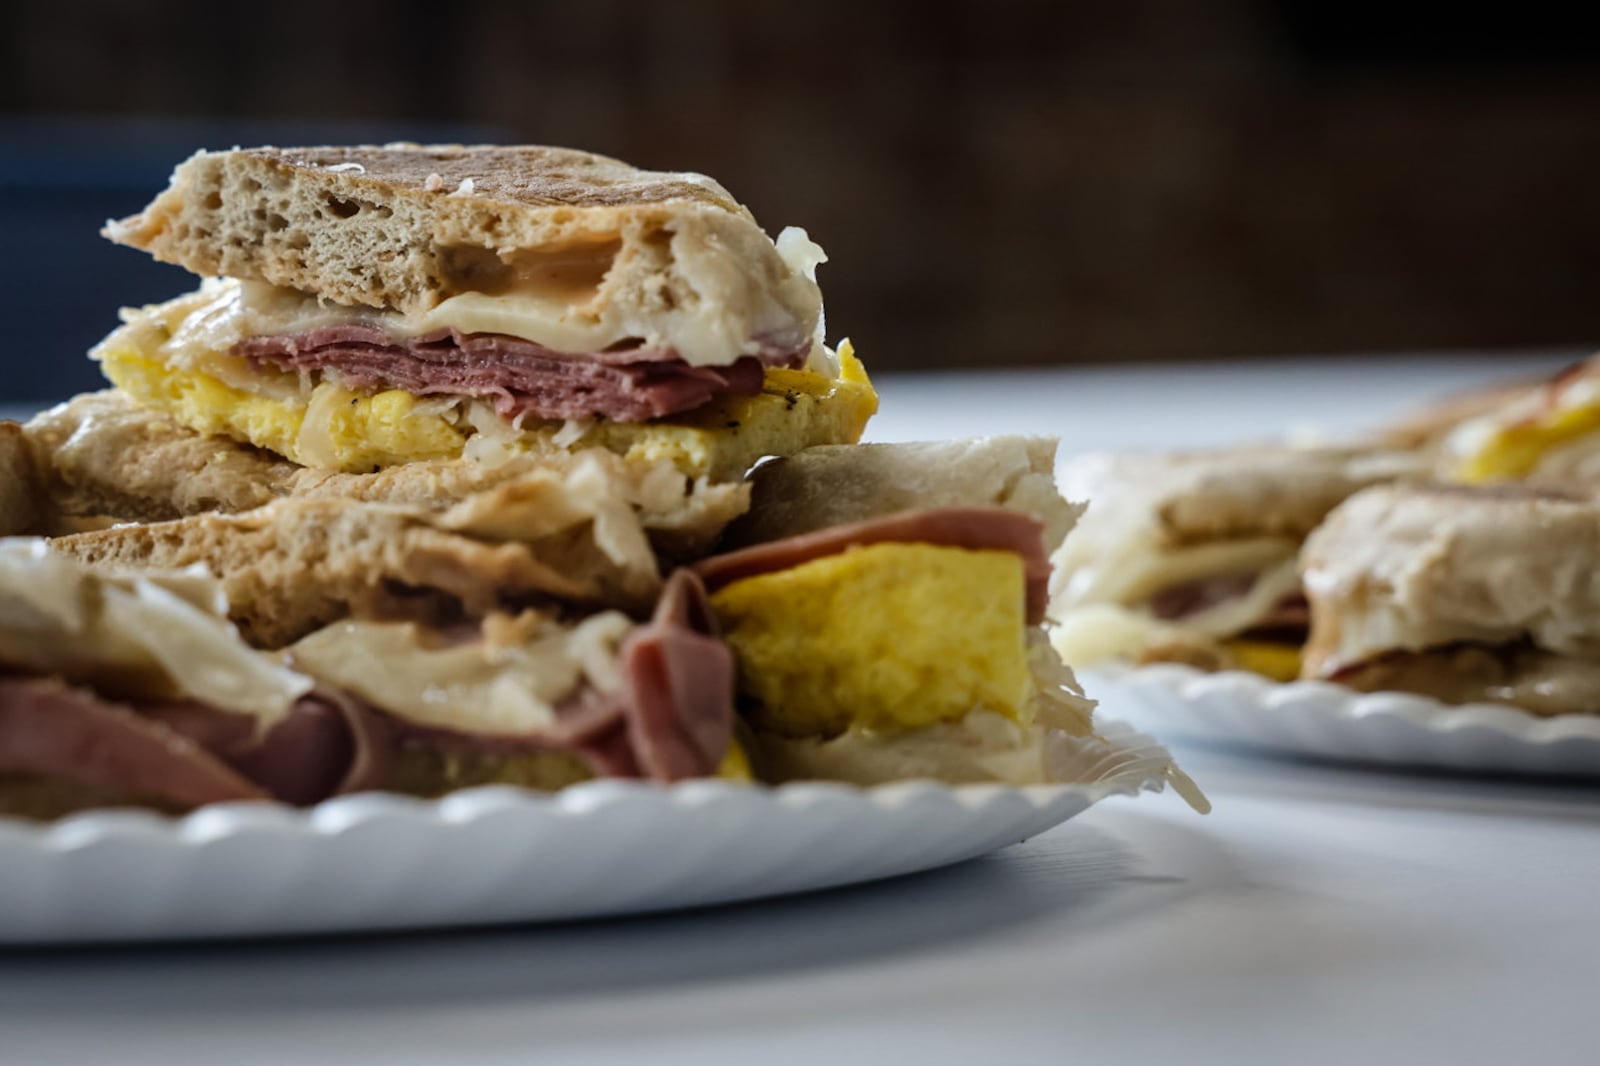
1320, 915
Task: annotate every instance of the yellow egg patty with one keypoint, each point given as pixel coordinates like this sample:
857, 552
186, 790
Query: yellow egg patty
882, 637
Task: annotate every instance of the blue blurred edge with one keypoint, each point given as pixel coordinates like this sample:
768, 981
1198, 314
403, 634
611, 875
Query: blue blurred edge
61, 179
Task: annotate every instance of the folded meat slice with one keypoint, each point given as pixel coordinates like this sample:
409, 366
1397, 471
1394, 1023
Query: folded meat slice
328, 745
522, 378
183, 755
679, 685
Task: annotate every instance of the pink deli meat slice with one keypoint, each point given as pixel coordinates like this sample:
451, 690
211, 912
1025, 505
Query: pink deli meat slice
521, 378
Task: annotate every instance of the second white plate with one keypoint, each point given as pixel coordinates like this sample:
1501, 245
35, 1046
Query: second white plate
1326, 721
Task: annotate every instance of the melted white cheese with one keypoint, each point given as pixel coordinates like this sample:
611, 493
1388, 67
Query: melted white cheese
550, 307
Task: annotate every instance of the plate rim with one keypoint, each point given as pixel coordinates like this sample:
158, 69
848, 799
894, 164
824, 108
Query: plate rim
341, 814
1337, 701
1324, 721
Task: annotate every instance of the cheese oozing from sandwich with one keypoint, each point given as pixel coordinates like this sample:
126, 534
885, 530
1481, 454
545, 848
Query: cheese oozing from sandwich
553, 307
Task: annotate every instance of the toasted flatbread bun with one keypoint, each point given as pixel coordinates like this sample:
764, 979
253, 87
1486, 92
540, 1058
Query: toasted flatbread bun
298, 564
405, 226
101, 454
1414, 568
835, 485
1187, 498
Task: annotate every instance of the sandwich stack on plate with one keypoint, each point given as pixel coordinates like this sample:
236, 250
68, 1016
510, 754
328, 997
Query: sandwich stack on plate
439, 478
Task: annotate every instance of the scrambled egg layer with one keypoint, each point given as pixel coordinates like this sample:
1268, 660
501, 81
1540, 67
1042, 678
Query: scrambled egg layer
1280, 662
867, 638
1514, 451
794, 410
356, 432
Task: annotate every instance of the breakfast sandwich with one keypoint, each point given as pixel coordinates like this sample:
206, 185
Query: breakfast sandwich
366, 307
1460, 593
1193, 557
130, 687
883, 604
1547, 431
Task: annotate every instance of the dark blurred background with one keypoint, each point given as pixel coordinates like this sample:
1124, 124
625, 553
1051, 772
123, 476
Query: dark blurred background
998, 183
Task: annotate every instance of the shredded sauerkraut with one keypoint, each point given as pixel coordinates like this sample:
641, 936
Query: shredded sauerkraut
507, 679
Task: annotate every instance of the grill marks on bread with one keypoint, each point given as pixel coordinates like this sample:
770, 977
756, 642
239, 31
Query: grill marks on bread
403, 227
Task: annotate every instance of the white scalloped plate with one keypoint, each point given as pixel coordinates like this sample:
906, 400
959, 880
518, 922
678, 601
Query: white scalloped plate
1327, 721
486, 855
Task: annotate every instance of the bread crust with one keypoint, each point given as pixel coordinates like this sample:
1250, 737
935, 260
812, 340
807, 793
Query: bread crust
101, 454
406, 226
1417, 567
1186, 498
298, 564
837, 484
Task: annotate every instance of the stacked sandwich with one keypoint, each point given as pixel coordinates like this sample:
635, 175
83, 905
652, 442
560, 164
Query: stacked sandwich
439, 478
